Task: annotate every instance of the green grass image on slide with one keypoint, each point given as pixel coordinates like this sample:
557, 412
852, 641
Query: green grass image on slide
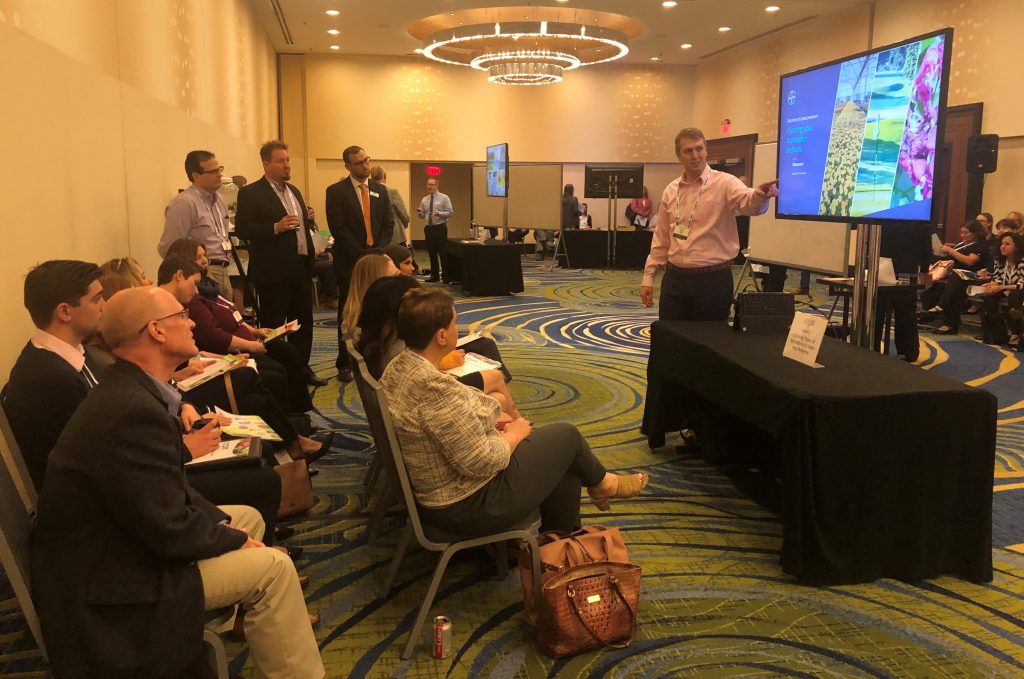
883, 133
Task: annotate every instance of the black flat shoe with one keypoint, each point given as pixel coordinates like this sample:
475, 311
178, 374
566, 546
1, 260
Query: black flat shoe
313, 381
283, 532
344, 375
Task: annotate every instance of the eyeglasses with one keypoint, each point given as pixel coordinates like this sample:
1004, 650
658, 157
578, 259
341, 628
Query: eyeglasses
183, 313
216, 170
364, 161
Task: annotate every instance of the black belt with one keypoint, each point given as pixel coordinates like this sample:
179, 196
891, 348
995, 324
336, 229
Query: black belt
219, 262
697, 270
439, 224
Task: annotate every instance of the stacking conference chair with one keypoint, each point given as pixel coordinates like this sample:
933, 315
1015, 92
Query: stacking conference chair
380, 501
17, 506
429, 537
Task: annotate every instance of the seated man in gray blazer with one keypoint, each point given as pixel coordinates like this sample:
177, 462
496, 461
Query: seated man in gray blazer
126, 557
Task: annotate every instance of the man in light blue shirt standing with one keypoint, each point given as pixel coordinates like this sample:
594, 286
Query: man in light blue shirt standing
436, 208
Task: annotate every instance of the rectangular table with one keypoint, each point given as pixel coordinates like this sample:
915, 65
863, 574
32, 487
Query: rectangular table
588, 249
491, 268
886, 468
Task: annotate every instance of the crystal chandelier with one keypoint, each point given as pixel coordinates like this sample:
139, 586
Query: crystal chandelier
525, 45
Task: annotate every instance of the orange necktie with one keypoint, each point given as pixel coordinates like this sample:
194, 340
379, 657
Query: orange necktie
366, 214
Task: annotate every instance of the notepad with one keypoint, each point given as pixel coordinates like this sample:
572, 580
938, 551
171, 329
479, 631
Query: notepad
247, 425
286, 329
474, 363
218, 367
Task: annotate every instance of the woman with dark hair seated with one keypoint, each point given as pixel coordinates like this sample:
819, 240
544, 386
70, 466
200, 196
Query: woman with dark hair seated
220, 330
379, 343
473, 469
1006, 281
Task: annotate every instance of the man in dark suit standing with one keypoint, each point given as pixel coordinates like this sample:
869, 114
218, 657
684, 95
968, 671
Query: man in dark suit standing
271, 216
126, 557
359, 216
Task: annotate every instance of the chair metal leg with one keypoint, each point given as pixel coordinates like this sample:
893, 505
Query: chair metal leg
382, 503
501, 549
435, 582
531, 539
220, 659
396, 560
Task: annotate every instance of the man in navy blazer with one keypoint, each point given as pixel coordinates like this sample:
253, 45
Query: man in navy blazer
271, 216
349, 202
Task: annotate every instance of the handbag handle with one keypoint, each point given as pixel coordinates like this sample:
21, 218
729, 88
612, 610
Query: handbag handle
571, 594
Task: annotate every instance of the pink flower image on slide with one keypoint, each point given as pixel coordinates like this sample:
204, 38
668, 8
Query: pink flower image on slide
917, 157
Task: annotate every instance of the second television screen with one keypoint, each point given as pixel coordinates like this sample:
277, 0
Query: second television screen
497, 170
857, 138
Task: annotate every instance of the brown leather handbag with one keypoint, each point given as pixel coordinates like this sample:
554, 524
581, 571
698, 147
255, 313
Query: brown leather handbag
588, 607
560, 551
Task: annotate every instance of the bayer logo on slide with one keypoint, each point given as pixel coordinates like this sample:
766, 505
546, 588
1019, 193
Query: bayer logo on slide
791, 97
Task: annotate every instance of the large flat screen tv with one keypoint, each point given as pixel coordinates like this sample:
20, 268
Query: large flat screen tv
497, 170
858, 137
619, 181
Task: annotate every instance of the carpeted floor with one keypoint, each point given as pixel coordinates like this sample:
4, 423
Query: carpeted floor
715, 602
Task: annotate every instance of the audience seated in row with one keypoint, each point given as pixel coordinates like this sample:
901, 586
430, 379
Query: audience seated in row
126, 557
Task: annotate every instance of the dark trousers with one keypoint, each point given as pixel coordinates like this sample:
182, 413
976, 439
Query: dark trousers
251, 394
703, 297
290, 299
547, 470
283, 364
903, 305
342, 362
257, 487
436, 236
953, 299
323, 269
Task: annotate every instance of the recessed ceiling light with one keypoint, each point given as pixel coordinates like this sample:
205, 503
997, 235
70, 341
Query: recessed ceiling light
335, 47
669, 4
724, 29
332, 12
655, 58
562, 1
418, 50
686, 45
333, 31
772, 8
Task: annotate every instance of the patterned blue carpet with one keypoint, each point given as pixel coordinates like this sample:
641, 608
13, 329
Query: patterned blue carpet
714, 602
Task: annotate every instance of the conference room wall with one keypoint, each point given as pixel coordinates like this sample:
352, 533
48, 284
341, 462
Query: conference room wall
742, 83
656, 177
109, 96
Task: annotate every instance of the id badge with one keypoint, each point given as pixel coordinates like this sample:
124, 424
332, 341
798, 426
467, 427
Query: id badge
226, 244
682, 231
237, 316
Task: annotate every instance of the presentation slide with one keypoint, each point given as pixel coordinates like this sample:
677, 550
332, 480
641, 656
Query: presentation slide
497, 170
857, 138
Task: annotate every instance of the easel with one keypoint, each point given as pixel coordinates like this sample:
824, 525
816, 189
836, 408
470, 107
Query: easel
560, 246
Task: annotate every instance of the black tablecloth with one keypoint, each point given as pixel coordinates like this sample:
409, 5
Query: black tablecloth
588, 249
886, 468
491, 268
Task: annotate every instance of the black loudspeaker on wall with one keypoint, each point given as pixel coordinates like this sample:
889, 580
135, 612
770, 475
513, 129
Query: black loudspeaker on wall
982, 153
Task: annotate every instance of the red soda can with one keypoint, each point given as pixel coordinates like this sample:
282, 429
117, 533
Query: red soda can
442, 637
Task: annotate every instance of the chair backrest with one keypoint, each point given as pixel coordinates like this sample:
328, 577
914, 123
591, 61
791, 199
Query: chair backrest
375, 402
14, 461
15, 529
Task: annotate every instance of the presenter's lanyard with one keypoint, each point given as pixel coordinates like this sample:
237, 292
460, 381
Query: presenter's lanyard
683, 232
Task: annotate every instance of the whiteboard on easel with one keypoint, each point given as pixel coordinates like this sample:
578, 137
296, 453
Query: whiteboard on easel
816, 246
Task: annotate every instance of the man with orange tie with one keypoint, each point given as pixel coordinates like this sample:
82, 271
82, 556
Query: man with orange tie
360, 218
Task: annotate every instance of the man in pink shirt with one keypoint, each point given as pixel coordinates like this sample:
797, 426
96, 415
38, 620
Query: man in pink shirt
696, 238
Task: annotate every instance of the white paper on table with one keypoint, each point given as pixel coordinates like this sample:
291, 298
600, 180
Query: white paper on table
474, 363
804, 340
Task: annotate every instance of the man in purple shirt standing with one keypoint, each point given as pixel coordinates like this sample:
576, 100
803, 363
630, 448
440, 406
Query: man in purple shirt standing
695, 238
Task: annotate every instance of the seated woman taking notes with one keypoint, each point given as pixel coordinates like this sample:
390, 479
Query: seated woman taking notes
472, 469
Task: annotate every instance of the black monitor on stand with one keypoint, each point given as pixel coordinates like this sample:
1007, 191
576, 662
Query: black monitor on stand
613, 182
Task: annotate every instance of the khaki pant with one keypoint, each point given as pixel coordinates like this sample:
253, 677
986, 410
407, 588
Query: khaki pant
264, 582
220, 274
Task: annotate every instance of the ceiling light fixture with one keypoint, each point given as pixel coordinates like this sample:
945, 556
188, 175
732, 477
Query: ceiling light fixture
335, 47
686, 45
333, 31
724, 29
332, 12
655, 58
669, 4
535, 51
772, 8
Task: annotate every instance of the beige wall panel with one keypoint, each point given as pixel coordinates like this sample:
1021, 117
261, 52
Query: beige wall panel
85, 30
987, 60
1003, 188
68, 198
421, 111
743, 83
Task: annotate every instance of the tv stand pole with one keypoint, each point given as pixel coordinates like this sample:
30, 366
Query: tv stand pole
613, 211
865, 284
